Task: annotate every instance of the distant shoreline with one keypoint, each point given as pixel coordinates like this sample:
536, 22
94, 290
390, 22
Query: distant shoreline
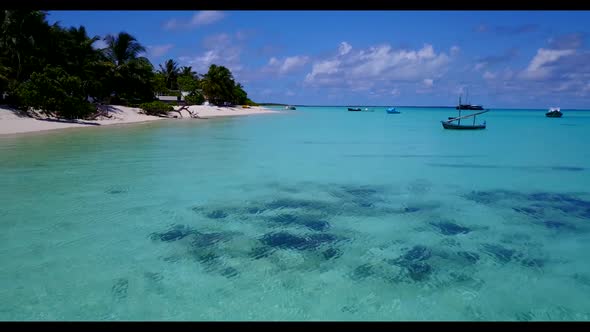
443, 107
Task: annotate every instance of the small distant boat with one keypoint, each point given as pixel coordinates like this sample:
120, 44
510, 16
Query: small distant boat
554, 112
392, 110
468, 107
290, 107
354, 109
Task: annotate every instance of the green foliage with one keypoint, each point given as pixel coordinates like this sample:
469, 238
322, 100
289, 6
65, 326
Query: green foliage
188, 83
56, 69
239, 96
131, 77
122, 49
176, 93
218, 85
194, 99
159, 83
156, 108
170, 72
250, 103
55, 93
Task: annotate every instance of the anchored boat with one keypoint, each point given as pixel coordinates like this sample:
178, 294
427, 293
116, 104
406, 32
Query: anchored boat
554, 112
448, 124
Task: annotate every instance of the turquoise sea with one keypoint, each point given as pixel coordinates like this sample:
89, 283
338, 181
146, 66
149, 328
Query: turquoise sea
312, 214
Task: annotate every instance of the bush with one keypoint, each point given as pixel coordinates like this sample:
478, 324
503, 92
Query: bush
250, 103
194, 99
55, 93
156, 108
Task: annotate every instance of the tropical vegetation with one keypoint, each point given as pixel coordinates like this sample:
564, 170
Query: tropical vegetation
62, 73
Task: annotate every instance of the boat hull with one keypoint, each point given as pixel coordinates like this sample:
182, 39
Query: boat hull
354, 109
553, 115
470, 107
447, 125
393, 112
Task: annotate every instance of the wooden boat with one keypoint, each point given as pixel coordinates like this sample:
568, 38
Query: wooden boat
554, 112
392, 110
354, 109
448, 124
290, 107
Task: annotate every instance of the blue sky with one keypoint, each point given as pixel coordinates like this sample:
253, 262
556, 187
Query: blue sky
529, 59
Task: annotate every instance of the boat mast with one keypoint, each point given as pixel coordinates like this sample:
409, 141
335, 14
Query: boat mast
459, 109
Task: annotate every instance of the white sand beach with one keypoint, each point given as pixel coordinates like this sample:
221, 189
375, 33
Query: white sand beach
205, 112
12, 122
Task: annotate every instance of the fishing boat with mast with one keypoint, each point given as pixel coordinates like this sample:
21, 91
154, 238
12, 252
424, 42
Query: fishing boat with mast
467, 106
450, 122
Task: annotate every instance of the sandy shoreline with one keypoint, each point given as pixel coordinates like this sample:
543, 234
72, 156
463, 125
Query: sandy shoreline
11, 122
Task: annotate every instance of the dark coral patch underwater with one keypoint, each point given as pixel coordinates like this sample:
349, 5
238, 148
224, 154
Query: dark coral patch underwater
284, 240
414, 261
446, 227
312, 222
175, 233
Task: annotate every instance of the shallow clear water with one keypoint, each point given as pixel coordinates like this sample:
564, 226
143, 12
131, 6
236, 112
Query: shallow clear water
313, 214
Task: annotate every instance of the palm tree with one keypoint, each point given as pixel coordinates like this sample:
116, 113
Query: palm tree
122, 49
170, 71
218, 84
20, 30
80, 57
81, 44
128, 72
188, 71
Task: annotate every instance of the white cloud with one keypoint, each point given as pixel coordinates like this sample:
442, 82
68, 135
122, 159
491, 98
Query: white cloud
378, 65
201, 62
479, 66
564, 86
219, 49
323, 68
395, 92
203, 17
159, 50
538, 67
428, 82
287, 65
547, 56
99, 44
206, 17
217, 41
344, 48
489, 75
290, 93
